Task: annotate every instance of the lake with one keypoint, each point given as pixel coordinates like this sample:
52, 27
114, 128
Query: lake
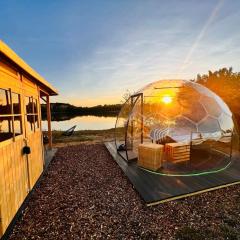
83, 123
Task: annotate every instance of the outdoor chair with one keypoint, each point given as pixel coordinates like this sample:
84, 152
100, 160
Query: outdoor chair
69, 132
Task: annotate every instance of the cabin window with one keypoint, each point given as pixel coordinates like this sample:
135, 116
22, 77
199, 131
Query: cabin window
29, 117
16, 103
35, 110
10, 115
6, 128
5, 102
32, 121
17, 124
17, 116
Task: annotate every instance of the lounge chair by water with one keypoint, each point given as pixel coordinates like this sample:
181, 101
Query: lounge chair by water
70, 131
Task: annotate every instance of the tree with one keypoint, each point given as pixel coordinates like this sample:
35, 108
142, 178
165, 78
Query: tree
226, 84
126, 95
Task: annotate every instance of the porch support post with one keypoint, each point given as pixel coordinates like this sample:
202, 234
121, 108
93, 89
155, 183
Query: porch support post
49, 122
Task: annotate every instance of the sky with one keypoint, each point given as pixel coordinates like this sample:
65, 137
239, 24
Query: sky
93, 51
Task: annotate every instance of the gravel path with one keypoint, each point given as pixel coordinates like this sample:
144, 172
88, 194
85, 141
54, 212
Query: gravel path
84, 195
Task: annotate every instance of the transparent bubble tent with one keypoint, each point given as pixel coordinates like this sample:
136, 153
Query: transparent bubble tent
176, 127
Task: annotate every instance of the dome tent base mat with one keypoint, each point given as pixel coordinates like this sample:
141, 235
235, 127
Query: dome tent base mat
202, 162
155, 189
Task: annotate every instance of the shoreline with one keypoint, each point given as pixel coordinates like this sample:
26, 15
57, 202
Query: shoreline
81, 136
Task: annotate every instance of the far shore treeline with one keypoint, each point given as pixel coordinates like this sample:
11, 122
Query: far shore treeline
65, 111
223, 82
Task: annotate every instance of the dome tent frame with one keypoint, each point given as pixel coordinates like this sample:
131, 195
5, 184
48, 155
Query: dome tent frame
133, 98
125, 150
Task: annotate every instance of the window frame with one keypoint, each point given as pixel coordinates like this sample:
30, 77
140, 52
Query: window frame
33, 113
12, 115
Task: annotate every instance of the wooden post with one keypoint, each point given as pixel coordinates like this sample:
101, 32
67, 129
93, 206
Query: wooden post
49, 122
141, 117
12, 116
131, 124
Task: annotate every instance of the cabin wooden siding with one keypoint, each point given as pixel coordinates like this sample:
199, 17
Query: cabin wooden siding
19, 172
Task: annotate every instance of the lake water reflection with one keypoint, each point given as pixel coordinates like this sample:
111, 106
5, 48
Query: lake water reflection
83, 123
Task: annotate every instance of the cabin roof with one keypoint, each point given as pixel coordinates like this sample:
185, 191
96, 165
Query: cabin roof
9, 53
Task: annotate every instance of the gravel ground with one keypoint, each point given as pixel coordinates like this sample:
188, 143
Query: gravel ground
84, 195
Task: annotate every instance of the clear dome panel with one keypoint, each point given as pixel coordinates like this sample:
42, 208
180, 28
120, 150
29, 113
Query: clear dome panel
182, 127
195, 112
207, 92
209, 125
191, 123
134, 128
121, 124
226, 122
212, 107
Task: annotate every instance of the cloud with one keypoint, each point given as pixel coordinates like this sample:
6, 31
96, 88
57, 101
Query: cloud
179, 46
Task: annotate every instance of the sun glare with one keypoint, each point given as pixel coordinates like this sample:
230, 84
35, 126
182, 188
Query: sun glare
166, 99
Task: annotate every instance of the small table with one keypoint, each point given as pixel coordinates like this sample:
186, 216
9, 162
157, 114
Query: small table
150, 155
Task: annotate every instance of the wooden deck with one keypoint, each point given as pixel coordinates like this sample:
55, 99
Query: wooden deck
155, 189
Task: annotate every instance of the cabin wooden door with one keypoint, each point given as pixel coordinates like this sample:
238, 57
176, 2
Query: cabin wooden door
13, 166
33, 139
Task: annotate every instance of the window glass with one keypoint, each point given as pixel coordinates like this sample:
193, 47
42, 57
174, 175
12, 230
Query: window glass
35, 106
28, 126
30, 123
6, 130
10, 104
16, 103
36, 122
17, 125
35, 109
32, 120
5, 103
28, 104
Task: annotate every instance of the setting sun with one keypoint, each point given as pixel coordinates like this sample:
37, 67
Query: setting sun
166, 99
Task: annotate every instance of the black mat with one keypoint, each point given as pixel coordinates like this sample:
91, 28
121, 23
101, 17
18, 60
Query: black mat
156, 189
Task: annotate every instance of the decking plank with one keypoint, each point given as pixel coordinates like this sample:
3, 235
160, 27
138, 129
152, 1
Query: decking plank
154, 188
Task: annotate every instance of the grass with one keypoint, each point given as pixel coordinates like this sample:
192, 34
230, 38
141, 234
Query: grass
93, 136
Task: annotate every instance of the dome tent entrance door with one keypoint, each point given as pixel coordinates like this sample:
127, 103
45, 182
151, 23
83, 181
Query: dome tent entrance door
129, 127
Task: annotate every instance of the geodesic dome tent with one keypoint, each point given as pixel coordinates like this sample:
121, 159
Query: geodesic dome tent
193, 126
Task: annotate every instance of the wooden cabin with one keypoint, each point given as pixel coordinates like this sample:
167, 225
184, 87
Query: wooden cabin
21, 137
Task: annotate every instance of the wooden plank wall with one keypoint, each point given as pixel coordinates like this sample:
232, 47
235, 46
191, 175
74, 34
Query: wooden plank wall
18, 172
13, 181
35, 159
34, 139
